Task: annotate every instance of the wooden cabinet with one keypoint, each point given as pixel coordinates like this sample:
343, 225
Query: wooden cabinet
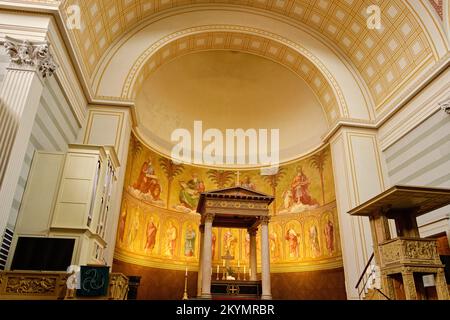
69, 196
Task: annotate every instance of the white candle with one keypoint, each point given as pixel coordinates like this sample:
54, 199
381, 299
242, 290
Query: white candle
186, 272
239, 264
224, 263
218, 269
244, 270
250, 272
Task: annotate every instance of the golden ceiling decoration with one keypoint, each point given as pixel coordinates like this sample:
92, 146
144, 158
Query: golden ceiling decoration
386, 59
251, 44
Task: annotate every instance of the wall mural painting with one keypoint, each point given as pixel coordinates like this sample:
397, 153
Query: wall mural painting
159, 227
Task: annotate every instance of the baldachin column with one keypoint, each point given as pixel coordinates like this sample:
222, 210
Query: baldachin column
253, 261
200, 273
265, 260
207, 257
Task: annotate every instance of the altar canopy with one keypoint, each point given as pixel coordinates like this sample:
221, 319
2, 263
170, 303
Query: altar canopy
235, 207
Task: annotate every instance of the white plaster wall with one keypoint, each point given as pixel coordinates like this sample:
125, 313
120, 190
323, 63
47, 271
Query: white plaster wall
416, 148
422, 158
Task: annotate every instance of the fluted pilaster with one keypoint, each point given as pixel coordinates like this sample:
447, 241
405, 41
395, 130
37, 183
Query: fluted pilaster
20, 93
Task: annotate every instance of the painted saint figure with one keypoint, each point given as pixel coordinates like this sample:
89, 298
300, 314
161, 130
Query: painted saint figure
171, 239
189, 243
230, 242
247, 245
213, 244
134, 229
147, 182
329, 236
190, 192
300, 189
151, 235
273, 245
122, 223
293, 241
248, 184
314, 241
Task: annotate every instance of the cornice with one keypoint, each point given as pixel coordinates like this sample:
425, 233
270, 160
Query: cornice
49, 6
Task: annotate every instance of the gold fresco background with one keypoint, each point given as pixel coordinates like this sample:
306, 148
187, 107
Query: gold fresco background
156, 214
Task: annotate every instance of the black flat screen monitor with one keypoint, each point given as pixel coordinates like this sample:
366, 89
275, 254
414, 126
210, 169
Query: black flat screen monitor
43, 254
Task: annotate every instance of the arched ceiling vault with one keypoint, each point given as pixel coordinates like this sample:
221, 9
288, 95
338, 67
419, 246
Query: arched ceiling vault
385, 59
248, 43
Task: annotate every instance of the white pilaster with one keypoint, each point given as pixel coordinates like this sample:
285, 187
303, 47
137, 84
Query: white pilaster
359, 175
207, 257
253, 262
20, 94
265, 260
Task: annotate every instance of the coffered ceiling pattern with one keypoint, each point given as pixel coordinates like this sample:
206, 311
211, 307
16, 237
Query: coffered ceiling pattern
253, 44
386, 59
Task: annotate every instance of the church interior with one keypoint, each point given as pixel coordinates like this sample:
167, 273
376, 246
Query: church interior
96, 204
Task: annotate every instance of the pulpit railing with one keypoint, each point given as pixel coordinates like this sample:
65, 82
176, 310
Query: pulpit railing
364, 281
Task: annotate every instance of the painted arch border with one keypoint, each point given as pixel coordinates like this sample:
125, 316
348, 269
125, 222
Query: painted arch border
359, 102
138, 65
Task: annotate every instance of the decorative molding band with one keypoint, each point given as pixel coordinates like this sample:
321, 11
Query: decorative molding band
27, 55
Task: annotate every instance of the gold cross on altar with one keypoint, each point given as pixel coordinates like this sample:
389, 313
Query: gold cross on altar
233, 289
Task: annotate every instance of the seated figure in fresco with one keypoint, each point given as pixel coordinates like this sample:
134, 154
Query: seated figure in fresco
248, 184
147, 182
297, 197
300, 189
189, 243
151, 235
190, 192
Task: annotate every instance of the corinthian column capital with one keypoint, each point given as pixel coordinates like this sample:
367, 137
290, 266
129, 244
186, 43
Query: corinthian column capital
29, 55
